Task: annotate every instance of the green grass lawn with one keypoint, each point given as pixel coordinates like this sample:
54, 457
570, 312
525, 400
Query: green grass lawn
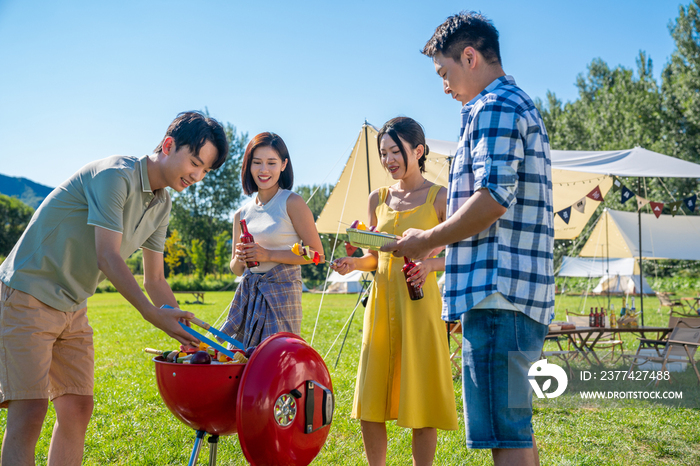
131, 425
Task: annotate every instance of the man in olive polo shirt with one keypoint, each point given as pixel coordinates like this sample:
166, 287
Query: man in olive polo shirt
81, 234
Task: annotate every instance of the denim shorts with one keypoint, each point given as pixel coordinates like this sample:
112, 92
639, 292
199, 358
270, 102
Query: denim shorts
498, 348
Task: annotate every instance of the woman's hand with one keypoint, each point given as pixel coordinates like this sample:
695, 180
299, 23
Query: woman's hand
344, 265
418, 274
251, 252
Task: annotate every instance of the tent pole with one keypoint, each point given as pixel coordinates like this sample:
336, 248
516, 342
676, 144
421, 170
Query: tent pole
641, 272
369, 181
607, 257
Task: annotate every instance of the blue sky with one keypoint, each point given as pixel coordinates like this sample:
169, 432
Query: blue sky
82, 80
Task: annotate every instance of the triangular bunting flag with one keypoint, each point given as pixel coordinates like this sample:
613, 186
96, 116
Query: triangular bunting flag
690, 202
565, 214
675, 207
350, 249
626, 194
580, 205
596, 195
657, 208
641, 202
617, 184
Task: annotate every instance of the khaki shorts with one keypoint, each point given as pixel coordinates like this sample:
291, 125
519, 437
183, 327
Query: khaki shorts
44, 352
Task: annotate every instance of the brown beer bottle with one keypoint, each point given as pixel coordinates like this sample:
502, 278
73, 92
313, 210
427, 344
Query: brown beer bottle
414, 291
247, 238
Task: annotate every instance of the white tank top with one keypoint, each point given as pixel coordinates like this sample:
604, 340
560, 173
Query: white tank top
270, 225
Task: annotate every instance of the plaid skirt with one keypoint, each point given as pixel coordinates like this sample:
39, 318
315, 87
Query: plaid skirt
265, 304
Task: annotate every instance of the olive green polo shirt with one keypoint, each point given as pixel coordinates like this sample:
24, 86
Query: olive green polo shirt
55, 260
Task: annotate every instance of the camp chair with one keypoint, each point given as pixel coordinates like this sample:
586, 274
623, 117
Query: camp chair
680, 347
608, 340
666, 301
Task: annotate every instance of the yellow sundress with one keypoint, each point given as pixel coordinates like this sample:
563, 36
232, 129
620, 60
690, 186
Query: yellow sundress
404, 372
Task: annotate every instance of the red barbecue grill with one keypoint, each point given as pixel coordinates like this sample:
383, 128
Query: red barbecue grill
280, 402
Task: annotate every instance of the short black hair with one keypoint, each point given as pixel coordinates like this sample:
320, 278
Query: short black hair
266, 139
410, 131
466, 29
194, 129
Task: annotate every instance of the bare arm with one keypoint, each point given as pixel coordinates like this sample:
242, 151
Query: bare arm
236, 266
154, 279
477, 214
109, 261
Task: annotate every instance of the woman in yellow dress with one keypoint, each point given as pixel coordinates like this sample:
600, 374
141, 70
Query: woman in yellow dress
404, 372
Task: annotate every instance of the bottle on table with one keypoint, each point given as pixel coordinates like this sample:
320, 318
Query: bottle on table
246, 237
414, 291
613, 320
591, 318
623, 309
603, 318
596, 318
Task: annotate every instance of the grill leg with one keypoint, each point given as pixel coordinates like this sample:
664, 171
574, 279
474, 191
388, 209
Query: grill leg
197, 447
213, 444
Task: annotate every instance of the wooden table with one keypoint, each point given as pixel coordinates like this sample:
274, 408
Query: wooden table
589, 336
198, 296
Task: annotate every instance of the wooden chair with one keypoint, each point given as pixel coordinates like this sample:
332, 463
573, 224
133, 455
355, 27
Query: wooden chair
608, 340
454, 334
665, 300
680, 347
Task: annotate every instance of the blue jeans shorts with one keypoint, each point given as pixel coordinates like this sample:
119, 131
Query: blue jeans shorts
498, 348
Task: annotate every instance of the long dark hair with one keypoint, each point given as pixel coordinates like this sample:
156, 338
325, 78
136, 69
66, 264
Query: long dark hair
266, 139
410, 131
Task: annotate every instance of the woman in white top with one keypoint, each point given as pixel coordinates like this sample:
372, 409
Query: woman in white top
268, 299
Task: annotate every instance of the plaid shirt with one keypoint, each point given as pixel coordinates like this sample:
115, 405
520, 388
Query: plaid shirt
504, 148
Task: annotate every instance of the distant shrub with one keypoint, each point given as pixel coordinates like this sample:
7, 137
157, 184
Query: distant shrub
206, 283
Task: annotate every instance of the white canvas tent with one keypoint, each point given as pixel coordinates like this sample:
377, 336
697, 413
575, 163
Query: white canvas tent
363, 173
618, 276
350, 283
617, 235
576, 173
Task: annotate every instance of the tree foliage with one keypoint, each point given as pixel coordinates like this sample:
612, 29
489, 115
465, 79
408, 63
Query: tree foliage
175, 251
618, 108
198, 256
222, 256
14, 218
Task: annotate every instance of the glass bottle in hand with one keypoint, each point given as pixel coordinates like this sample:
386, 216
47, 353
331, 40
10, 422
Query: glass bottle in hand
246, 237
415, 291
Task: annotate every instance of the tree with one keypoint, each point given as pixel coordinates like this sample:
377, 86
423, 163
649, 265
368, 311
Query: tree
14, 218
222, 256
174, 251
316, 274
204, 209
199, 257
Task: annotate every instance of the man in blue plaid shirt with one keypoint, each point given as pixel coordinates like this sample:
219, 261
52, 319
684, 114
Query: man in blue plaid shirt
499, 234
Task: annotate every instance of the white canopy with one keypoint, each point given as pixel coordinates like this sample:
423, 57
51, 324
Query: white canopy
617, 235
580, 267
629, 162
574, 175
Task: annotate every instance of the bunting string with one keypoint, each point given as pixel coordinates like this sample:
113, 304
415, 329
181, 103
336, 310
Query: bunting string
626, 194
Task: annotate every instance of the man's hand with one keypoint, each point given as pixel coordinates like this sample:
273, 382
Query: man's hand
413, 245
168, 320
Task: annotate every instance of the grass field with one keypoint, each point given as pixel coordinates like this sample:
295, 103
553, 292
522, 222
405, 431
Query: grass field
131, 425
